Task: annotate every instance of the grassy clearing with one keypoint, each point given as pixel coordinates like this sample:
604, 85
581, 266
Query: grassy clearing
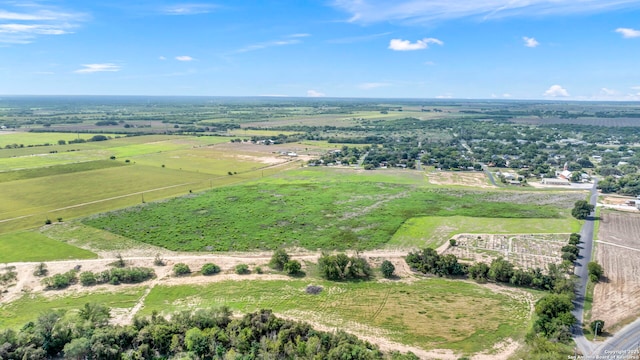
78, 234
29, 138
434, 231
324, 175
340, 214
31, 246
57, 170
28, 308
432, 313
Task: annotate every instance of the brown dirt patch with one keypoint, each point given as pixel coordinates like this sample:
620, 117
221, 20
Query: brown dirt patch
617, 299
470, 178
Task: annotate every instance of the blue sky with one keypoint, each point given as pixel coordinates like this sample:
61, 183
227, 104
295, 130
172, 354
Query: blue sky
515, 49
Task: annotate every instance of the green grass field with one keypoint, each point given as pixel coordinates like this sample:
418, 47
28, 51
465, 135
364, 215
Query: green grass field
434, 231
28, 308
77, 183
31, 138
287, 210
434, 313
32, 246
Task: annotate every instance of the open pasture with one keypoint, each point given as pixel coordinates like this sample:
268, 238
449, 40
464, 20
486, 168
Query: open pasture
469, 318
526, 251
617, 299
32, 246
434, 231
36, 138
83, 182
340, 214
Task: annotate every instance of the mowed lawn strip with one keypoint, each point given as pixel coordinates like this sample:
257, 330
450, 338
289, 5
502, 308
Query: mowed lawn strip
32, 246
434, 313
19, 312
336, 215
434, 231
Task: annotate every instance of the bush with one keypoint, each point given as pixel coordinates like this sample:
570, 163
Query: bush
181, 269
60, 281
242, 269
453, 242
119, 263
87, 278
210, 269
258, 270
279, 259
158, 261
292, 267
41, 270
47, 222
387, 268
343, 267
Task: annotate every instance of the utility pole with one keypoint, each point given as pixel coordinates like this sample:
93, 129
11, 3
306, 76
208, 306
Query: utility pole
596, 332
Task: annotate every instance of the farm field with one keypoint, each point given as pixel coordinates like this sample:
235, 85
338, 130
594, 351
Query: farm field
158, 167
30, 138
526, 251
617, 299
470, 318
32, 246
336, 215
433, 231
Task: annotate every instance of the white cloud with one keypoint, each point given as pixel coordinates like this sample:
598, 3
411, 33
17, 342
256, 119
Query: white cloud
556, 91
628, 33
444, 96
530, 42
506, 95
188, 9
28, 21
414, 11
406, 45
184, 58
290, 40
314, 93
608, 92
429, 63
162, 58
93, 68
372, 85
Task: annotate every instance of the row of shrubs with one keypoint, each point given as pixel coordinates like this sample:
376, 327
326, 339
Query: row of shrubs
116, 276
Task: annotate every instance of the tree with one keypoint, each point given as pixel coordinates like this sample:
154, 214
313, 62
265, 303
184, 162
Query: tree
597, 326
595, 271
279, 259
181, 269
387, 269
500, 270
78, 348
96, 314
479, 272
292, 267
581, 209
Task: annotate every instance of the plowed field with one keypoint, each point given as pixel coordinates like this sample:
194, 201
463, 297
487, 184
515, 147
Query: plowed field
617, 298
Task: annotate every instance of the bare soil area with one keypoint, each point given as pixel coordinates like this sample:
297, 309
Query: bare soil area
526, 251
469, 178
616, 300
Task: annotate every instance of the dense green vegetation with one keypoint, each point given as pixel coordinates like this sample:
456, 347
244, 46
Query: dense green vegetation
344, 215
204, 334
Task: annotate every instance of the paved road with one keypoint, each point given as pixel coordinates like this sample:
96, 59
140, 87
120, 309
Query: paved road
624, 344
489, 174
586, 235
